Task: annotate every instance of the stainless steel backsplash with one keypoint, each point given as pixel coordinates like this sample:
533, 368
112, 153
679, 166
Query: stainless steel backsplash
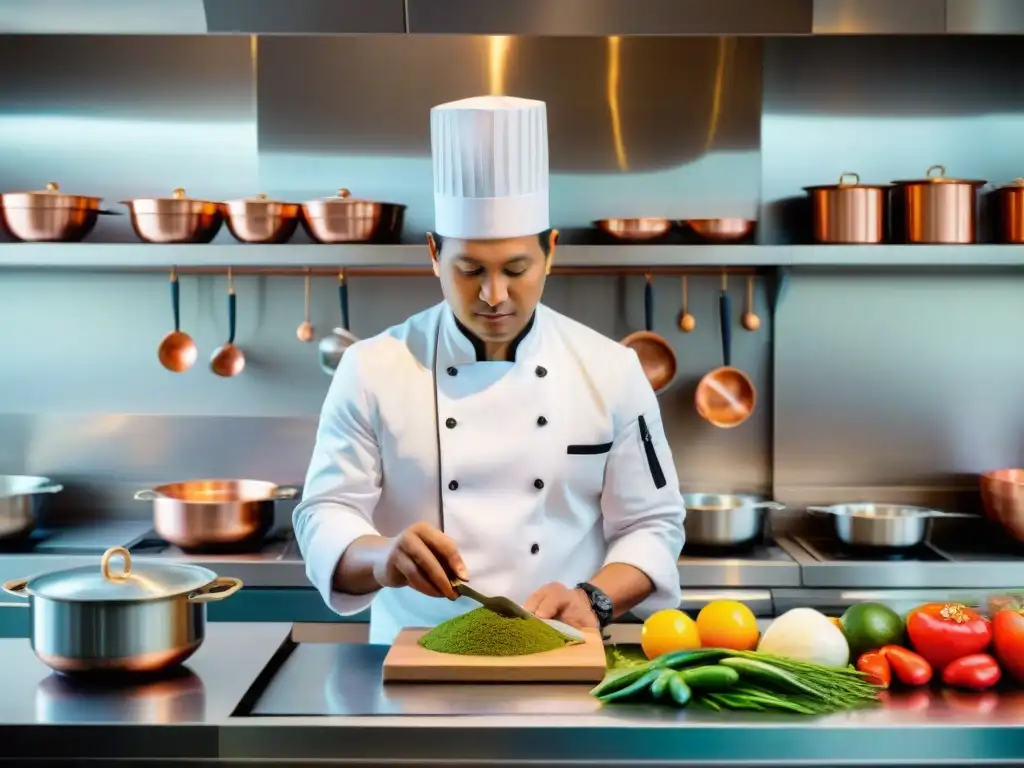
874, 380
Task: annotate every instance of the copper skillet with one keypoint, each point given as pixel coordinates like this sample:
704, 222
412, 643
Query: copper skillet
656, 355
725, 396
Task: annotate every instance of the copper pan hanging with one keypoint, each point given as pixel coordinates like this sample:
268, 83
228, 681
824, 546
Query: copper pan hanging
657, 357
725, 396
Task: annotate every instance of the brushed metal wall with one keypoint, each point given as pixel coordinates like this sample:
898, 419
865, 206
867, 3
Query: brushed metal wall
82, 397
891, 384
637, 126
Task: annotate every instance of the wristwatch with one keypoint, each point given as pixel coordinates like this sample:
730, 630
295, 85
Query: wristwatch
600, 603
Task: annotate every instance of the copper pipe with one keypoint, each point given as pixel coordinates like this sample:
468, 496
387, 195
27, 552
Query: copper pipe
427, 272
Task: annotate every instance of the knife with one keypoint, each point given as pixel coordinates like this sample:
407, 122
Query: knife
504, 606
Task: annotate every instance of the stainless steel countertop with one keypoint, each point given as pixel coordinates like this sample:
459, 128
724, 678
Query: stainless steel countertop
219, 712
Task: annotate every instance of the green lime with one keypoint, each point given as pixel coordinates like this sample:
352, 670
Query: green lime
869, 626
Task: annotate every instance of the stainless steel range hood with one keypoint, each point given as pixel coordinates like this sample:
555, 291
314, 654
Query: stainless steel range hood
513, 17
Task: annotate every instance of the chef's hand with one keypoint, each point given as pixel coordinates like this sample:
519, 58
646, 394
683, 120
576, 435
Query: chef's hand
421, 557
557, 601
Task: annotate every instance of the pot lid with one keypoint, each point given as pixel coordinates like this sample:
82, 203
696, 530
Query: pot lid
941, 178
51, 197
178, 202
1017, 183
260, 203
847, 180
110, 581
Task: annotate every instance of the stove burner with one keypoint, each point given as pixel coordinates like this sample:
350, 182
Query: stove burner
831, 549
153, 545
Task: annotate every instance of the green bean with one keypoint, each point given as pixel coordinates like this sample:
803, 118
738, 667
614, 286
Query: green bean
612, 684
714, 677
681, 659
660, 685
679, 690
634, 689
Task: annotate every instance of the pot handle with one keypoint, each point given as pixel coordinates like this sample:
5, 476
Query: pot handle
146, 495
16, 587
285, 492
218, 589
766, 505
51, 488
819, 510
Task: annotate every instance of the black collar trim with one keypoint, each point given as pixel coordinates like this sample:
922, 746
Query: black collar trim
481, 349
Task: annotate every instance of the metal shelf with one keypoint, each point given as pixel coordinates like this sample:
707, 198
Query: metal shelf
147, 257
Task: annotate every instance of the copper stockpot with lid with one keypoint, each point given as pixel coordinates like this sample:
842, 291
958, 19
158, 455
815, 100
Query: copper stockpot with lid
346, 219
1011, 212
937, 209
261, 220
175, 219
49, 215
848, 212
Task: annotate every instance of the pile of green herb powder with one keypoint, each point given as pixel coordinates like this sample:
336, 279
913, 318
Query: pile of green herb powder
481, 632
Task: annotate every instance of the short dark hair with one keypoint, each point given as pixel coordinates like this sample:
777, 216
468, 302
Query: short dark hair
544, 238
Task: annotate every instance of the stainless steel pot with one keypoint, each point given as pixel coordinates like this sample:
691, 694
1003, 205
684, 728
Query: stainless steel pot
888, 526
101, 621
175, 219
725, 520
261, 220
22, 498
199, 514
344, 219
49, 215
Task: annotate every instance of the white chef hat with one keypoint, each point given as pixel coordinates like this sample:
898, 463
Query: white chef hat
490, 158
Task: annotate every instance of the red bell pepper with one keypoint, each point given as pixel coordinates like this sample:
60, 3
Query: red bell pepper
1008, 642
908, 667
945, 632
874, 665
978, 672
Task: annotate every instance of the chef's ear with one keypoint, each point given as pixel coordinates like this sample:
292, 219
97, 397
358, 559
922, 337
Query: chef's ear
552, 242
434, 255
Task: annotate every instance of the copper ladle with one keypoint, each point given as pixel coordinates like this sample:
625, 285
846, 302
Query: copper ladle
305, 330
228, 359
177, 350
750, 320
687, 322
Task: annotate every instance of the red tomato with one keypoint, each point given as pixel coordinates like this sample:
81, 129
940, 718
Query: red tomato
1008, 642
874, 665
908, 667
945, 632
978, 672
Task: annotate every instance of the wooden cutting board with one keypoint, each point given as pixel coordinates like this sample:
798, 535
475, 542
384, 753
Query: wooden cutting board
407, 661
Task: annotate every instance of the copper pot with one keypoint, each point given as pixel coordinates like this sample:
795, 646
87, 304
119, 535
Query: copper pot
175, 219
937, 209
49, 215
1002, 495
848, 212
1011, 212
721, 230
344, 219
213, 514
260, 220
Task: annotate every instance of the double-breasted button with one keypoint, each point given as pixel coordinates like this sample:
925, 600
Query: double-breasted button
453, 371
450, 422
538, 484
535, 549
541, 371
541, 421
453, 485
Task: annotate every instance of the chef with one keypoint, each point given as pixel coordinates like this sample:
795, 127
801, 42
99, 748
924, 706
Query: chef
490, 437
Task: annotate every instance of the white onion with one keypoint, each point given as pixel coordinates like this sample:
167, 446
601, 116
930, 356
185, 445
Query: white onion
804, 634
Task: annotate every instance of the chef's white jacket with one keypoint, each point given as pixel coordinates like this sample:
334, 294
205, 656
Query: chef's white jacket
551, 465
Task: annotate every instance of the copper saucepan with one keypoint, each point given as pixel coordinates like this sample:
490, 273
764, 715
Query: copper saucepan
212, 514
656, 355
175, 219
634, 230
49, 215
725, 396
